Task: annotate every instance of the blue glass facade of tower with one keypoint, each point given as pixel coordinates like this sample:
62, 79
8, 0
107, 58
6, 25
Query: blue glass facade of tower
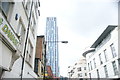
52, 45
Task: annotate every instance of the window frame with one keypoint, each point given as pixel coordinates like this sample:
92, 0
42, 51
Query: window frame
113, 51
115, 69
106, 71
8, 8
100, 58
79, 69
105, 54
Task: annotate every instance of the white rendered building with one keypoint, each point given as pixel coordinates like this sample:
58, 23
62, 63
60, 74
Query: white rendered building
15, 18
102, 57
78, 70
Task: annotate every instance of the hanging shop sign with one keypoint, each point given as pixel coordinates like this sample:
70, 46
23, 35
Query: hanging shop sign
7, 32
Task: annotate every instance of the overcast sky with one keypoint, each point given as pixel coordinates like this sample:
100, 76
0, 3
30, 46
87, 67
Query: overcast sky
80, 22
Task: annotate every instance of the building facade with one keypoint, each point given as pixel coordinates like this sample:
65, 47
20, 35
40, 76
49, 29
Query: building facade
119, 30
40, 56
15, 18
79, 70
102, 57
52, 45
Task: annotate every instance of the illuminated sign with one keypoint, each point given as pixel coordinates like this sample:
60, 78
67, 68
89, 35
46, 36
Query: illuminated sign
7, 32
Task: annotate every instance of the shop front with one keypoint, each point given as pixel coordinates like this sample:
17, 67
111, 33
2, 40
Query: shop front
9, 42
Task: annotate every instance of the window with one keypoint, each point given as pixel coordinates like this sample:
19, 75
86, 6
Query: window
90, 75
79, 69
39, 12
91, 65
5, 7
29, 52
113, 50
80, 75
0, 72
105, 54
36, 65
100, 59
85, 74
115, 68
94, 62
106, 72
119, 63
98, 73
33, 25
27, 7
84, 68
75, 63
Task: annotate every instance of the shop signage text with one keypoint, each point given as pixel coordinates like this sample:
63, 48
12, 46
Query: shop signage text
6, 30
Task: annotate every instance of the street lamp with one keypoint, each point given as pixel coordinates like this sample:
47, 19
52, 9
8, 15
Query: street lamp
45, 60
57, 41
64, 42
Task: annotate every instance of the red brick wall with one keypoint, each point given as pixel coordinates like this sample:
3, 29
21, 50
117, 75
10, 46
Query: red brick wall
39, 47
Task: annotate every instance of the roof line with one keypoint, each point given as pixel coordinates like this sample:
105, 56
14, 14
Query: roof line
103, 35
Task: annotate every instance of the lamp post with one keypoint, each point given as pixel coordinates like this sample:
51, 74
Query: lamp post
45, 60
57, 41
26, 40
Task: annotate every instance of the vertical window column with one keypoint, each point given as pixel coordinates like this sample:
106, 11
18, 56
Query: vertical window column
94, 62
115, 68
119, 66
113, 50
100, 59
91, 65
105, 54
106, 72
98, 74
0, 73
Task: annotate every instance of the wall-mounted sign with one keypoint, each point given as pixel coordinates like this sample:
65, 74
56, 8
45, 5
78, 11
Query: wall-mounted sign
7, 32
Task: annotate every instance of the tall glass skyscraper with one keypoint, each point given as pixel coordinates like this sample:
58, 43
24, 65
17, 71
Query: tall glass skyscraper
52, 45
